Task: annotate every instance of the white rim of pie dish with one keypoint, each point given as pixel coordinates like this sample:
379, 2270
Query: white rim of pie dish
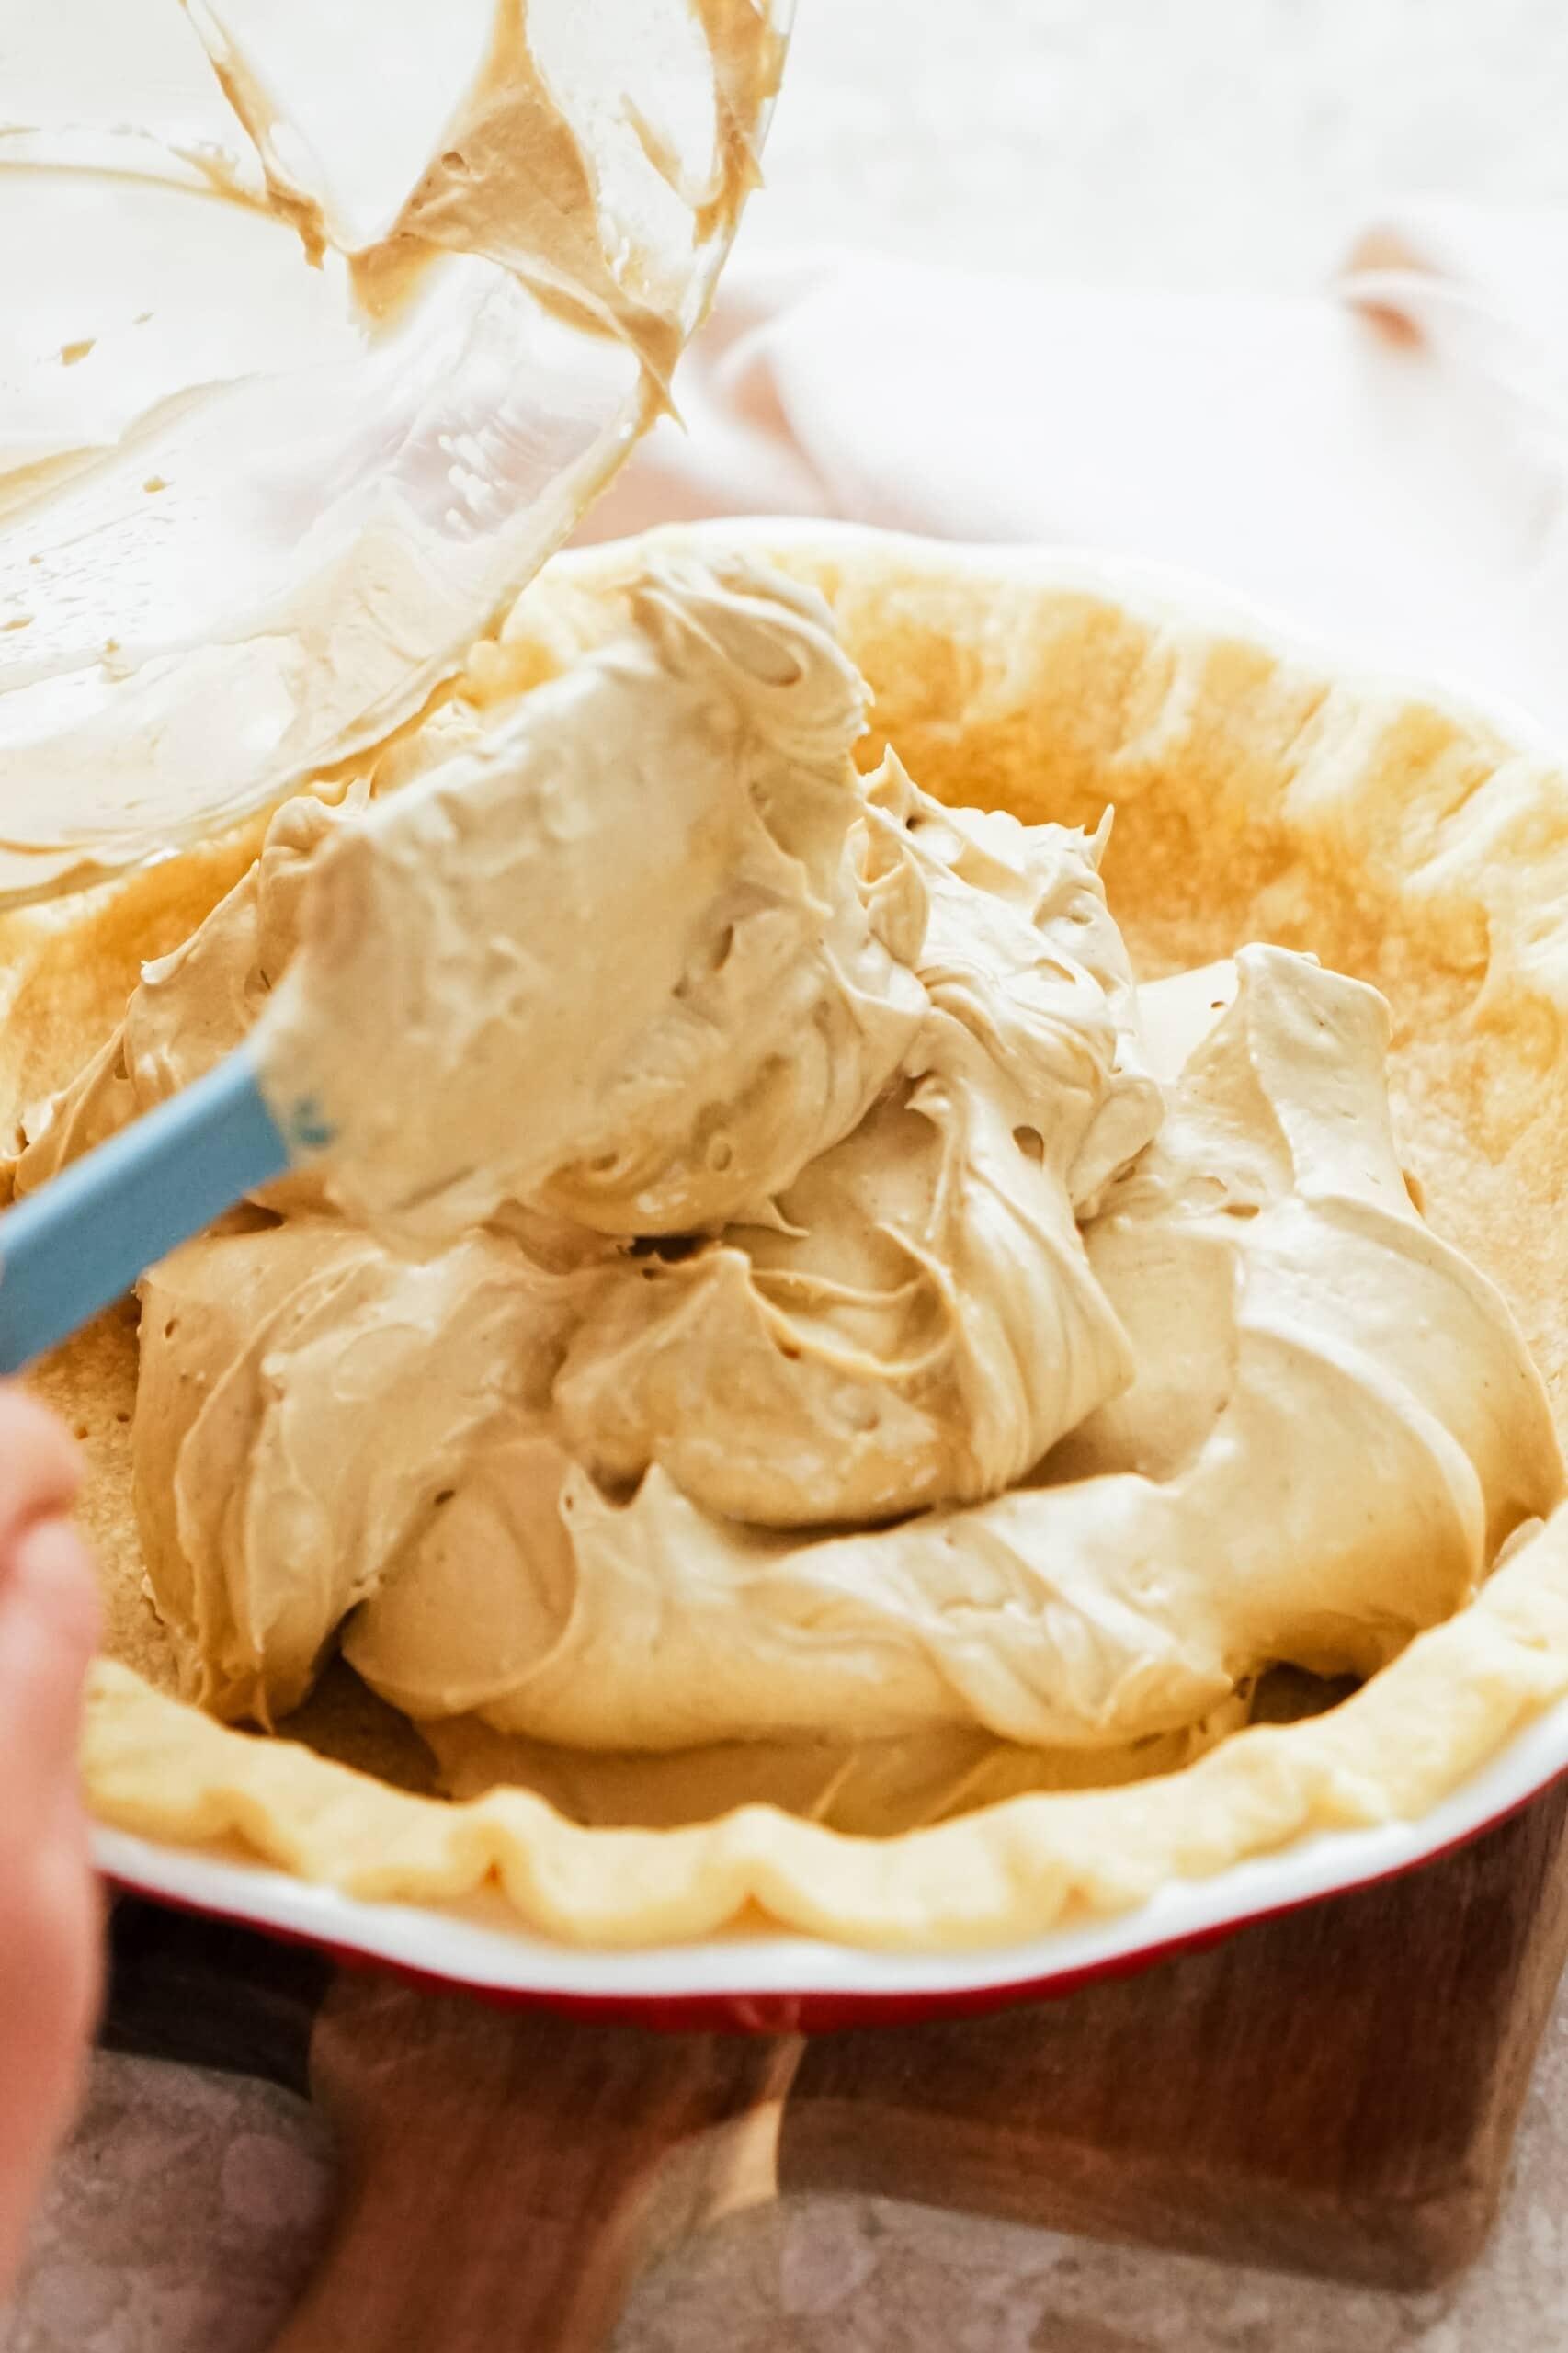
781, 1981
774, 1983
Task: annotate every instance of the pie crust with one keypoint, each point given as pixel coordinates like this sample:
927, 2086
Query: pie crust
1260, 794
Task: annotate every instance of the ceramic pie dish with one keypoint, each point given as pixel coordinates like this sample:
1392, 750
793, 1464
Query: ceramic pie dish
1261, 793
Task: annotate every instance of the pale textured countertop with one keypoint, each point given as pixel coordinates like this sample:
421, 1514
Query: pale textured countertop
1218, 143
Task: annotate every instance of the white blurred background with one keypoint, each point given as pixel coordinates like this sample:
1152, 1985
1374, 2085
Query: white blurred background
1183, 143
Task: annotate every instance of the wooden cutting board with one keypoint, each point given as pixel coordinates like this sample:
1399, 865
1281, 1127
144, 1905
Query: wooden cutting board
1334, 2091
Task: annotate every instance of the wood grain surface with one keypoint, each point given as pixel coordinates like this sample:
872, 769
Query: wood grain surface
1334, 2091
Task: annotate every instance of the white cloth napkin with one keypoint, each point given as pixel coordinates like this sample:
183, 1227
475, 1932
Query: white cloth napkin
1384, 464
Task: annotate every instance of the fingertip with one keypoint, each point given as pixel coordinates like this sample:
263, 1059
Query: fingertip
40, 1464
54, 1570
49, 1626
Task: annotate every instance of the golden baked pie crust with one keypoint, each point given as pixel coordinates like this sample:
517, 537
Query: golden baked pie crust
1258, 795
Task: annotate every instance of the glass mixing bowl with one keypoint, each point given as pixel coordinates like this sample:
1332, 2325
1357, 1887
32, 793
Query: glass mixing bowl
319, 328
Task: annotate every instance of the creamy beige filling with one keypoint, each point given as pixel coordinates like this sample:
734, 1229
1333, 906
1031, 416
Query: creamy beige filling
876, 1317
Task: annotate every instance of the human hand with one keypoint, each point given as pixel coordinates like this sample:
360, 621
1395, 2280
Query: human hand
50, 1923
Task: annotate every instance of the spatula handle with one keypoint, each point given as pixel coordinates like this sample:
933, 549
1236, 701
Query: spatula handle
75, 1245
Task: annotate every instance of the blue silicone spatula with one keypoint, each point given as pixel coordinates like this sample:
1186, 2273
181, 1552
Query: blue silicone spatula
81, 1240
429, 1035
